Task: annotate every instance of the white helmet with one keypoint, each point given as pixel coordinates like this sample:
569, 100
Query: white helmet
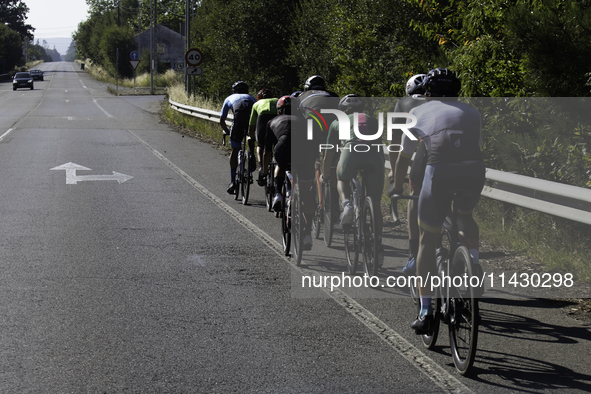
415, 84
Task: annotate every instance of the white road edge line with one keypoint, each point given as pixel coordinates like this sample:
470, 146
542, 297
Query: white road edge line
5, 134
443, 379
102, 109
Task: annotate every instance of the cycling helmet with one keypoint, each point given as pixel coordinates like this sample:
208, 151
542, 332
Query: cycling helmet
351, 101
442, 82
415, 85
315, 82
296, 94
264, 94
240, 87
284, 105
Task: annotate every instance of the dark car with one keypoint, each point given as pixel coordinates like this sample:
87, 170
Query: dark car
36, 74
22, 80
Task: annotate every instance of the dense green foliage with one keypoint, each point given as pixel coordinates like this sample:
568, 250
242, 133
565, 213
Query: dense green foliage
11, 49
13, 33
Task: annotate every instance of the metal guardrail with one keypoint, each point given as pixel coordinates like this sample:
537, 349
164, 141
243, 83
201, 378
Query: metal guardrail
565, 201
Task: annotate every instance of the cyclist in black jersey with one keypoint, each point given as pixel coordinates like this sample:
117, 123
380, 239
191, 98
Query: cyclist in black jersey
283, 130
450, 132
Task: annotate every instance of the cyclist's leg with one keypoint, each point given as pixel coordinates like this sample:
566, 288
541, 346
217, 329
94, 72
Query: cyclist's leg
283, 158
415, 180
430, 219
346, 170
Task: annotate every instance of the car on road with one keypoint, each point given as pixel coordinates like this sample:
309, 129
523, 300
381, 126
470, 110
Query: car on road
36, 74
22, 80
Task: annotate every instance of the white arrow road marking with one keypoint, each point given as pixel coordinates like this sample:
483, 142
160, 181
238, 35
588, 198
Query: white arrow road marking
73, 179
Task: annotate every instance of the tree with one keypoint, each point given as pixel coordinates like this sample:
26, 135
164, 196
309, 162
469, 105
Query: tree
11, 48
13, 14
115, 40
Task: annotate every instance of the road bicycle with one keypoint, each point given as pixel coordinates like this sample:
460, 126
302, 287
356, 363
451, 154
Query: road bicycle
244, 171
291, 218
456, 301
360, 236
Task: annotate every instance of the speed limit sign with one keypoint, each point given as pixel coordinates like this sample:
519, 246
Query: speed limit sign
193, 57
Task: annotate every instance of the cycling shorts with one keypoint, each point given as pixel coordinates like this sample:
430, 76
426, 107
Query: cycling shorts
440, 179
283, 152
261, 130
372, 163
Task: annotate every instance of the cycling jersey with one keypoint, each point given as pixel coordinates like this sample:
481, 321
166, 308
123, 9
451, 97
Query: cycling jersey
262, 112
450, 158
241, 105
279, 133
355, 158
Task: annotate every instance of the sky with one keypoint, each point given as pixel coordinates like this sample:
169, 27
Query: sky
55, 18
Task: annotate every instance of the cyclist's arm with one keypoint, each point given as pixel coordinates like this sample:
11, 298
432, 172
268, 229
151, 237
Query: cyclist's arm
402, 163
224, 125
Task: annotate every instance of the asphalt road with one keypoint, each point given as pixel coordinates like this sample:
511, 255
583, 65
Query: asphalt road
159, 282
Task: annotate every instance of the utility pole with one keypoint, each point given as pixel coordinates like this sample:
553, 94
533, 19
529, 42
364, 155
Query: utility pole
188, 41
152, 45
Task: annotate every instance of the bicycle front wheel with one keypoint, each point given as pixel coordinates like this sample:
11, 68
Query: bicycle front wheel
464, 314
285, 222
328, 222
239, 171
429, 340
369, 237
351, 247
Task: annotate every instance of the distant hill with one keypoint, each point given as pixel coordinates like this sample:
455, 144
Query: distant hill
61, 44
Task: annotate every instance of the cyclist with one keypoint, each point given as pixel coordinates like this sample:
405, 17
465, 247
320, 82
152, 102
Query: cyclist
285, 129
450, 133
315, 98
415, 97
263, 111
240, 103
352, 161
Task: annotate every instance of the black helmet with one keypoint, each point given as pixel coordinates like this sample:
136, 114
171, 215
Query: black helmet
442, 82
315, 82
264, 93
240, 87
296, 94
351, 101
284, 105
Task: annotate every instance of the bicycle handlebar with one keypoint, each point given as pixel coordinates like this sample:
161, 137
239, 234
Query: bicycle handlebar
394, 205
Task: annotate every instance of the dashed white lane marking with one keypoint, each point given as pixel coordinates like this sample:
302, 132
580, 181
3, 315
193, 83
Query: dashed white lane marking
443, 379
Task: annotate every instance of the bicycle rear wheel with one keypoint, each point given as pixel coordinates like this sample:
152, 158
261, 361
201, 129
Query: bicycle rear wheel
270, 187
317, 219
285, 222
369, 238
296, 224
464, 314
429, 340
328, 222
246, 177
239, 171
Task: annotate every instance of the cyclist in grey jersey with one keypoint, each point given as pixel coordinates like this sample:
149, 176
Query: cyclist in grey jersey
451, 135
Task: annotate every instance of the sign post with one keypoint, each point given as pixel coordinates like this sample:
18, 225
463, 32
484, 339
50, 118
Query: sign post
134, 60
193, 58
